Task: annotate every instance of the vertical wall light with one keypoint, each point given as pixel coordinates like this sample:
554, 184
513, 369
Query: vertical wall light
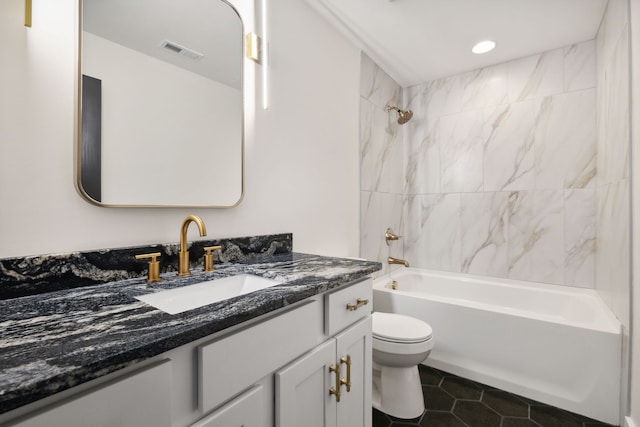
253, 48
256, 51
265, 57
27, 13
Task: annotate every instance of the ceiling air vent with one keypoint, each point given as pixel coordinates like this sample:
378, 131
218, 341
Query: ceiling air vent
176, 49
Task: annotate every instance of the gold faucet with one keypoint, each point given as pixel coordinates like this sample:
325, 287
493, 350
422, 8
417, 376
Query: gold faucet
392, 260
183, 261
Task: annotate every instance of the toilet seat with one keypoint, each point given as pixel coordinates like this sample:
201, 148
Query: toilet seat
398, 328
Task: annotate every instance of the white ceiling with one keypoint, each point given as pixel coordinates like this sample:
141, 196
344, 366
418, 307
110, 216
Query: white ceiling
416, 41
208, 27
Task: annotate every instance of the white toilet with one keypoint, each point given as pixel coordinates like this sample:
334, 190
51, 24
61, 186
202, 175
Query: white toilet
400, 343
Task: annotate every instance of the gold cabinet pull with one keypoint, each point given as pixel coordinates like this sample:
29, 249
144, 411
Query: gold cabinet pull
208, 257
347, 361
154, 266
359, 303
335, 390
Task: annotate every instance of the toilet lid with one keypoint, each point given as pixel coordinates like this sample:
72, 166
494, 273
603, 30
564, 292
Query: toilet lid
400, 328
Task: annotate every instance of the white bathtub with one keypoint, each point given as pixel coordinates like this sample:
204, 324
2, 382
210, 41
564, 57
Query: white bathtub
554, 344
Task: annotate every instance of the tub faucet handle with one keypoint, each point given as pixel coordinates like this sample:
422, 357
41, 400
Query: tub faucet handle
390, 236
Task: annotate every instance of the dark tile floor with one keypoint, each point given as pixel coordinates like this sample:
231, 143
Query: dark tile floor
452, 401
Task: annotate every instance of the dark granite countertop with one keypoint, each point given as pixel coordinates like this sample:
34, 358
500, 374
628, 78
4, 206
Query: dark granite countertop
53, 341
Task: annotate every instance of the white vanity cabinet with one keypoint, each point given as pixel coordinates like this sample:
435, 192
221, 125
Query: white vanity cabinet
141, 399
331, 385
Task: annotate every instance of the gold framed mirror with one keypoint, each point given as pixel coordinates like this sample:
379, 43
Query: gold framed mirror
160, 108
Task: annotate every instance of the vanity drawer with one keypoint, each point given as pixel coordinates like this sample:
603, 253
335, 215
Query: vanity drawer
233, 363
347, 305
141, 398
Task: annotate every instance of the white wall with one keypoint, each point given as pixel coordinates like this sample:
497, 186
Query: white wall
301, 154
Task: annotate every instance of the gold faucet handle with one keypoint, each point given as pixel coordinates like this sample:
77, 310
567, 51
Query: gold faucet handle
154, 266
208, 257
389, 236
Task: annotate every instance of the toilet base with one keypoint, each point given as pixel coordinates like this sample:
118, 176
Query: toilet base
397, 391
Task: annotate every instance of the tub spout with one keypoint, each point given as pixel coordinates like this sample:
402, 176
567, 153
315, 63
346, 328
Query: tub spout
392, 260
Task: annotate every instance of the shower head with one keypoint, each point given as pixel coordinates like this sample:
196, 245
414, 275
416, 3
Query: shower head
403, 115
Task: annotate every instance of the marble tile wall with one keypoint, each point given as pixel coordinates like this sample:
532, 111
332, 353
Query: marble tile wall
613, 260
381, 164
500, 170
498, 173
613, 180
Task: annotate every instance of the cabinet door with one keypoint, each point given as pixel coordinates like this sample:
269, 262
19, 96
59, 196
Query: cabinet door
243, 411
141, 399
302, 390
354, 345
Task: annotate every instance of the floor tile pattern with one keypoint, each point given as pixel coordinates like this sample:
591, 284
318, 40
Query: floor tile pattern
452, 401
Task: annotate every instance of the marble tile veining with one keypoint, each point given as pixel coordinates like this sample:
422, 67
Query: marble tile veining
433, 239
536, 249
565, 140
580, 66
535, 76
509, 158
580, 237
484, 87
422, 170
460, 139
376, 85
366, 145
484, 221
614, 147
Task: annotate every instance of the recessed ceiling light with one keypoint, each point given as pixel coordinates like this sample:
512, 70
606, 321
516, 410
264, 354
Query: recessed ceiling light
483, 47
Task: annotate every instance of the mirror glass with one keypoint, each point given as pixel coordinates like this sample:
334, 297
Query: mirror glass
160, 105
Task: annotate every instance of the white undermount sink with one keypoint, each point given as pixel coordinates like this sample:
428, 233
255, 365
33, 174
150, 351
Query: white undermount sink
186, 298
